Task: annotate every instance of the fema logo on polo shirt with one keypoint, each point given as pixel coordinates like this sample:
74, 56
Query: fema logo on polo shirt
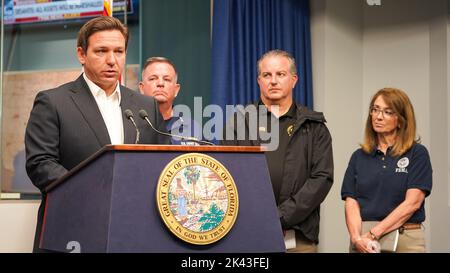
402, 164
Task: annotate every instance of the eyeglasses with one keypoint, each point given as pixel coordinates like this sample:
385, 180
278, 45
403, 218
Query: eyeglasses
387, 113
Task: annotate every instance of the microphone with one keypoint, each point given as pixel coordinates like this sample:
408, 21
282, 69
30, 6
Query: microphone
129, 115
143, 114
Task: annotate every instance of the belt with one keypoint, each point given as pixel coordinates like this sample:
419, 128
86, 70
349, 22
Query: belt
409, 226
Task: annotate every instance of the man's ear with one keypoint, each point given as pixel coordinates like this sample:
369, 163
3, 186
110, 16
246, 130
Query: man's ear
177, 90
295, 78
141, 87
81, 55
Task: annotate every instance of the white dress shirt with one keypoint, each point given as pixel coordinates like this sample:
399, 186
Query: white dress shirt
110, 109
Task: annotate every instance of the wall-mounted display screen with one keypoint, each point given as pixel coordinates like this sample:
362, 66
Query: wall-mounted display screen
57, 11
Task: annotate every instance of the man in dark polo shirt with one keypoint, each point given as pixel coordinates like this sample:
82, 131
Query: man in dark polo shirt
300, 158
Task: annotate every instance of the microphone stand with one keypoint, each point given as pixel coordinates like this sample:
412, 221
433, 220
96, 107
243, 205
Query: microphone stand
143, 114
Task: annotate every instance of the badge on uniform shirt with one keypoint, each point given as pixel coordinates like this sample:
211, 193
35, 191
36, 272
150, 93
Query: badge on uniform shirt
290, 130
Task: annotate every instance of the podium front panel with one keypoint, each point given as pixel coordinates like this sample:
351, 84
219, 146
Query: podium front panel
114, 207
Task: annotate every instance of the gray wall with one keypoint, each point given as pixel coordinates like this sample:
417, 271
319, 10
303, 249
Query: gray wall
337, 78
180, 31
358, 49
51, 46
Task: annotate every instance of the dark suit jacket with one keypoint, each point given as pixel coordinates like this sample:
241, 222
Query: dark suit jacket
66, 127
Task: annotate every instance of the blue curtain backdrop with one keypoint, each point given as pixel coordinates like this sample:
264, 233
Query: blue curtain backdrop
243, 30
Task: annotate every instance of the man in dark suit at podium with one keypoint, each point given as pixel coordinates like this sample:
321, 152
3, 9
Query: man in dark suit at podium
73, 121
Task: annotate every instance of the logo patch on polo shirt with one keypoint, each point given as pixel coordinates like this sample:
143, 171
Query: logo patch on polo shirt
402, 164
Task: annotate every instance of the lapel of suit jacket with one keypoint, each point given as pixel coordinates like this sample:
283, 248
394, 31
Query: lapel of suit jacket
88, 107
129, 132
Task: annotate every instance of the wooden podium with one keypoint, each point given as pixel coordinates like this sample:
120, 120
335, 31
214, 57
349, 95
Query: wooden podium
108, 203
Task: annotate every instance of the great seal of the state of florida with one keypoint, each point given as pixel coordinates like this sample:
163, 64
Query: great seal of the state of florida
197, 198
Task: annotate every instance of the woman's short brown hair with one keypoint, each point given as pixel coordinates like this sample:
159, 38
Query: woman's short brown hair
399, 102
100, 24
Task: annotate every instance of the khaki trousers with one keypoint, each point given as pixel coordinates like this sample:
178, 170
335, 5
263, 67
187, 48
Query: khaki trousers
303, 245
410, 241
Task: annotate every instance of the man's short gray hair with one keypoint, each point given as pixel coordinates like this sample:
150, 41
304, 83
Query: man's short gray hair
281, 53
152, 60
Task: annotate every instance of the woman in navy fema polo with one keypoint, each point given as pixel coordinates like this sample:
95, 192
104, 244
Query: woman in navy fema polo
388, 178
